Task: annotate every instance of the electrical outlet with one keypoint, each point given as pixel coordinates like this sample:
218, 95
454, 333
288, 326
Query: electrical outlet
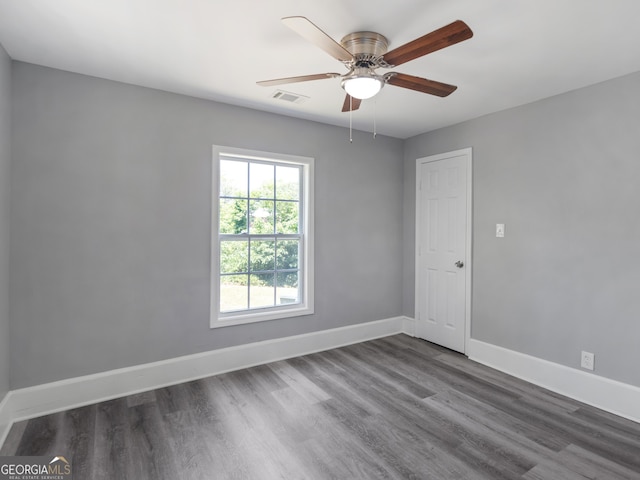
587, 360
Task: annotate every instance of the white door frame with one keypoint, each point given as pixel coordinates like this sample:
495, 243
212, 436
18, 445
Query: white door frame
469, 230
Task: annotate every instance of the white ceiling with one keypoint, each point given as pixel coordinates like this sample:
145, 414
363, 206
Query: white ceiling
522, 50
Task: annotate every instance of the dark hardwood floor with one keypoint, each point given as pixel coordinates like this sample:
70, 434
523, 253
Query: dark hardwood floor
396, 408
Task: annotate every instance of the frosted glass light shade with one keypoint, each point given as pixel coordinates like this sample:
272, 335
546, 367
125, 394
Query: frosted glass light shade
362, 87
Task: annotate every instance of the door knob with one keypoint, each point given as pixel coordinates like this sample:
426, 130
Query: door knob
459, 264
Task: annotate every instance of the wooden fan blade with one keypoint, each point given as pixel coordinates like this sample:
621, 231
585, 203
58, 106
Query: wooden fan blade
303, 78
443, 37
421, 84
351, 103
306, 29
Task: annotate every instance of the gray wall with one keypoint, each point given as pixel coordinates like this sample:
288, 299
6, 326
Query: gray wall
5, 154
563, 175
110, 215
110, 224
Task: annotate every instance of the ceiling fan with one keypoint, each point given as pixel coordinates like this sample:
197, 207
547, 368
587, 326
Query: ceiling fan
364, 52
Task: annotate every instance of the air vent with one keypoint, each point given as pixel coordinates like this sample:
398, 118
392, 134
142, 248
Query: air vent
289, 97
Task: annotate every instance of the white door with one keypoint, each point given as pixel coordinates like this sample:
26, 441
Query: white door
443, 241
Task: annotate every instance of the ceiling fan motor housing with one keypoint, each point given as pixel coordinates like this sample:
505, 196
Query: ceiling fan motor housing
366, 47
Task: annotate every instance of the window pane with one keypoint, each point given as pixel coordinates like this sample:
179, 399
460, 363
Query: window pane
234, 293
287, 288
262, 290
261, 212
287, 217
261, 180
287, 183
233, 178
234, 256
287, 254
263, 255
233, 216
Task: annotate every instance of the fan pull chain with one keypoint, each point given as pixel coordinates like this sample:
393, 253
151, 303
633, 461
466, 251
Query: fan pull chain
375, 116
350, 119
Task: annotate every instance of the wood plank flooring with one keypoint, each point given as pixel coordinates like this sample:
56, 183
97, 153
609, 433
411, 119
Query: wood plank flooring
393, 408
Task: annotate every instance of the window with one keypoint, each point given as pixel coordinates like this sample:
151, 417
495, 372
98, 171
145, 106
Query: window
262, 236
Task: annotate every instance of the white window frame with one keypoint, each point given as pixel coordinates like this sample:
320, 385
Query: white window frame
305, 307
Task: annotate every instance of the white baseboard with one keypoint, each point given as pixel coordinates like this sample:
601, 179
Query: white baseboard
53, 397
609, 395
612, 396
409, 326
5, 419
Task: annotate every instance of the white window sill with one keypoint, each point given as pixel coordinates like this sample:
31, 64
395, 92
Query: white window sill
260, 316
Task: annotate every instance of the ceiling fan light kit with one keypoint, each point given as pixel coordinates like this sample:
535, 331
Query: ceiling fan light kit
364, 52
362, 85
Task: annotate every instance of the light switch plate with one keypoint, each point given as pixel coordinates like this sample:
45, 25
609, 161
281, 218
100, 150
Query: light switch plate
499, 230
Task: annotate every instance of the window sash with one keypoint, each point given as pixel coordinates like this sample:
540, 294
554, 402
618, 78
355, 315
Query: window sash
275, 270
